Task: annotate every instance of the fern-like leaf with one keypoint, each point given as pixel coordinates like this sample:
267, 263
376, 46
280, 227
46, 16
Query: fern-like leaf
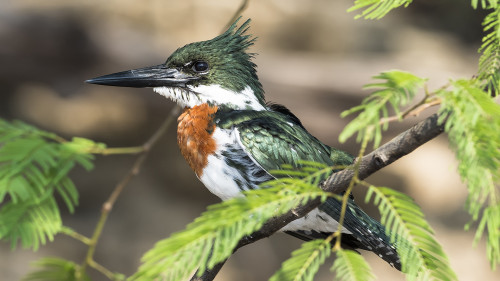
351, 266
397, 89
55, 269
422, 257
485, 4
212, 237
489, 62
377, 9
473, 127
34, 166
32, 222
305, 262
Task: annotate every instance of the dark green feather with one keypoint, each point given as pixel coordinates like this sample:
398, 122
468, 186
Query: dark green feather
274, 139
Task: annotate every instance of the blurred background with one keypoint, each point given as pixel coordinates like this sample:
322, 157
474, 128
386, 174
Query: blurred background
314, 57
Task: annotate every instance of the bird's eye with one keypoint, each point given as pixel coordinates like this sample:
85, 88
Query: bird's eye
200, 66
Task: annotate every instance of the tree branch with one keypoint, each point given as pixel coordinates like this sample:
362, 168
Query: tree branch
337, 183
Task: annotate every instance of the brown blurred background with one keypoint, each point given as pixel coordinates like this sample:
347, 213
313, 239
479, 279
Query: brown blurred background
313, 57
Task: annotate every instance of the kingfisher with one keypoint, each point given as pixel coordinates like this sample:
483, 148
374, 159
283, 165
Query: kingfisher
232, 138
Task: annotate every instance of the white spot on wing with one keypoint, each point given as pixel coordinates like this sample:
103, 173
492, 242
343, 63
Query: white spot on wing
313, 222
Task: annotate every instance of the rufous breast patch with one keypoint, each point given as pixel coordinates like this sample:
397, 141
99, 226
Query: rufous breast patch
194, 135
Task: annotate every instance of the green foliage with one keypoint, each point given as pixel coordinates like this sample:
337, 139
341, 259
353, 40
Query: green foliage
485, 4
473, 127
377, 9
305, 262
422, 257
350, 266
212, 237
397, 89
55, 269
489, 62
34, 166
31, 222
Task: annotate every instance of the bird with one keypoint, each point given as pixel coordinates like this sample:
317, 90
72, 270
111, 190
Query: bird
232, 138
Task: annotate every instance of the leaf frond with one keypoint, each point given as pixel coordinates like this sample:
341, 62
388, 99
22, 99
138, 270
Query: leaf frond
473, 127
31, 222
212, 237
377, 9
397, 89
55, 269
34, 167
351, 266
422, 257
485, 4
305, 262
489, 62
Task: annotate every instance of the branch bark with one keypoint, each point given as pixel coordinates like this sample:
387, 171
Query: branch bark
386, 154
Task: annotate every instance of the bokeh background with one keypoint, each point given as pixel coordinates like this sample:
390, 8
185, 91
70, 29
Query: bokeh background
314, 57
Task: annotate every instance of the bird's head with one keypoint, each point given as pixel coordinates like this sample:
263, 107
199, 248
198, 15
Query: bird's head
219, 72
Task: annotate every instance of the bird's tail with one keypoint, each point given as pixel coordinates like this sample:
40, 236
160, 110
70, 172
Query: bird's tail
367, 233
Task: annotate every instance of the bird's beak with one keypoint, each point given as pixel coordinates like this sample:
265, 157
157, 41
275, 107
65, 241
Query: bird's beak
152, 76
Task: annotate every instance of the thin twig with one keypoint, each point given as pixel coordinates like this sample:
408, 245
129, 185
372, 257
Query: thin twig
108, 205
117, 150
75, 235
412, 111
347, 193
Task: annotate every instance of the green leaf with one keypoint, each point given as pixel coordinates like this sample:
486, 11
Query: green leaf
485, 4
422, 257
32, 222
397, 89
491, 221
212, 237
55, 269
305, 262
351, 266
489, 62
473, 127
377, 9
34, 167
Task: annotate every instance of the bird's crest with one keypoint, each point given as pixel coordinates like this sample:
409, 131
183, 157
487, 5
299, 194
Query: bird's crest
230, 65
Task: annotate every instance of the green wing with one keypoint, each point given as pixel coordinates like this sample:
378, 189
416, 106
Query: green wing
273, 139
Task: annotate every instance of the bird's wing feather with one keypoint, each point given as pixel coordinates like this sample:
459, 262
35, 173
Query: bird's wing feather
273, 139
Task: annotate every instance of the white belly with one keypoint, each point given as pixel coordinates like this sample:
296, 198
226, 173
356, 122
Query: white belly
226, 182
219, 178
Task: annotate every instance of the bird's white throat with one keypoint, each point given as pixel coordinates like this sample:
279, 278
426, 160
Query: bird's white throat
213, 94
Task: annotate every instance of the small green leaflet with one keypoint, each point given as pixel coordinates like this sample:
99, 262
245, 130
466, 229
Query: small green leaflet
351, 266
55, 269
305, 262
376, 9
397, 89
489, 62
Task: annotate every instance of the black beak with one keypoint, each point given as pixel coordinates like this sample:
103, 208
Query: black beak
152, 76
